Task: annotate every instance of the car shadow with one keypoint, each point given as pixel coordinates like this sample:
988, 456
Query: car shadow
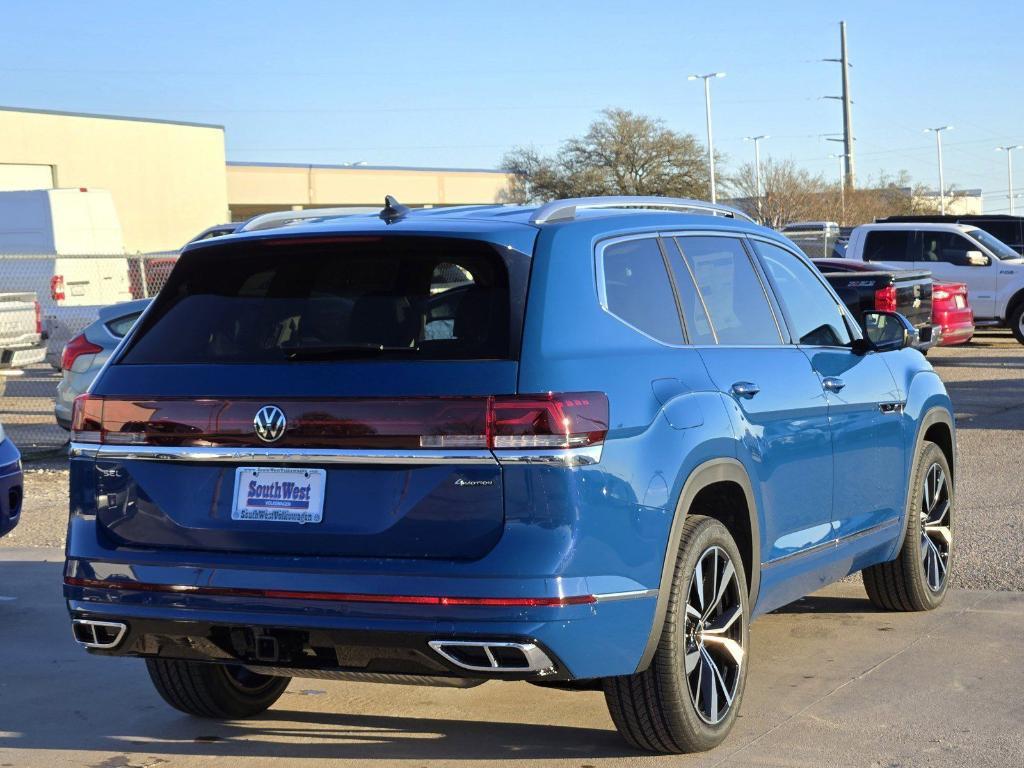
828, 604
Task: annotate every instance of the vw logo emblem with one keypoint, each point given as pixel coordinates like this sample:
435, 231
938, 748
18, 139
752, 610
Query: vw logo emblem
269, 423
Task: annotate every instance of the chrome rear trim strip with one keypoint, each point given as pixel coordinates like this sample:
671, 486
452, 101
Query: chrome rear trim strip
567, 457
250, 455
608, 597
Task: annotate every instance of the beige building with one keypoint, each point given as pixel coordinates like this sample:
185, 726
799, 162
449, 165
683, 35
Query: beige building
170, 180
166, 178
255, 188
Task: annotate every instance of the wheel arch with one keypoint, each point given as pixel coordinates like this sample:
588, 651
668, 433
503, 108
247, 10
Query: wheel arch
701, 493
1016, 300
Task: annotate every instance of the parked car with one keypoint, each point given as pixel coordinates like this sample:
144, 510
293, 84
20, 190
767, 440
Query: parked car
86, 353
21, 335
588, 465
11, 484
217, 230
1008, 229
62, 226
951, 310
863, 287
956, 253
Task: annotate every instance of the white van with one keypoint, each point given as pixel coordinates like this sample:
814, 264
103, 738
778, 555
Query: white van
954, 253
80, 264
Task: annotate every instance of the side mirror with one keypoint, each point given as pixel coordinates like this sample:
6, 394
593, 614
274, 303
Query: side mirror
976, 259
885, 332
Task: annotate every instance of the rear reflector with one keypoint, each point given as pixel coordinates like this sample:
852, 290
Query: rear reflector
340, 597
500, 422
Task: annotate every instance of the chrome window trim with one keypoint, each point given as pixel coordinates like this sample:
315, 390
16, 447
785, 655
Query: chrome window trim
566, 457
602, 292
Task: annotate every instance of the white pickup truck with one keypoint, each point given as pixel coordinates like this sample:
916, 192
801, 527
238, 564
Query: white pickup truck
955, 253
21, 339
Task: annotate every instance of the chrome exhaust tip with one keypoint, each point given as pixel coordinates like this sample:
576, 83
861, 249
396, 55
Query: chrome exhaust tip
103, 635
494, 656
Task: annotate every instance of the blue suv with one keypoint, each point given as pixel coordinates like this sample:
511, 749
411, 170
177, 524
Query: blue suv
583, 445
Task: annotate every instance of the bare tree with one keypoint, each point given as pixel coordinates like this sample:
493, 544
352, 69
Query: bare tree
621, 154
790, 193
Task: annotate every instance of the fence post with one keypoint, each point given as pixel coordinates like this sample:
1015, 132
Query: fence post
142, 275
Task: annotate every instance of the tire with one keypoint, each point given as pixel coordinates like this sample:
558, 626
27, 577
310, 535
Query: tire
918, 578
1016, 321
214, 691
656, 710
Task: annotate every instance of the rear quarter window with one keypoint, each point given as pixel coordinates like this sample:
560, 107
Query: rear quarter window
416, 298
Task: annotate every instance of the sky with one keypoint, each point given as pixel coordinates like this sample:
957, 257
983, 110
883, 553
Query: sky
456, 84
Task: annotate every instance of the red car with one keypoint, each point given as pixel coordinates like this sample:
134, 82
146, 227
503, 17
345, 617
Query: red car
953, 312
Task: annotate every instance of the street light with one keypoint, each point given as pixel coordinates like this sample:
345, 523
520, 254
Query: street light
707, 107
757, 167
938, 146
1009, 168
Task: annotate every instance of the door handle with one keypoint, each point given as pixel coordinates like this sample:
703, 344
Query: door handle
745, 389
833, 383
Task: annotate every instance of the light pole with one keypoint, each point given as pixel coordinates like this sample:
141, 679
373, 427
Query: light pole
938, 146
1009, 168
707, 107
842, 184
757, 168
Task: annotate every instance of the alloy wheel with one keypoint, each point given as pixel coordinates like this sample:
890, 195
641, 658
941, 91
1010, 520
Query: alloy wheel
714, 635
936, 533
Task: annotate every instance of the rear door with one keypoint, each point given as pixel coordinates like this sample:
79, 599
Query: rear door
775, 397
354, 373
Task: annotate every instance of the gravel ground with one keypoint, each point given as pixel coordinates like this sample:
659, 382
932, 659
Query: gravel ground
986, 382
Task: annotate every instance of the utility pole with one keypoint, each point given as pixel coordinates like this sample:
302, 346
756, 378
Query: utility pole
707, 111
757, 169
938, 147
850, 176
842, 187
1009, 168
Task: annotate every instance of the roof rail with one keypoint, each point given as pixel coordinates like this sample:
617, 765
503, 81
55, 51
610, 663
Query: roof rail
276, 219
565, 210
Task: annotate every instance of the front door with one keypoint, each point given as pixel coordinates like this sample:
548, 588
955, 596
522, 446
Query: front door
945, 254
864, 404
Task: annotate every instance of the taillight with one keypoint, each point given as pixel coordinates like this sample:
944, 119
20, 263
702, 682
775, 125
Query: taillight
57, 287
39, 318
521, 422
548, 421
885, 299
75, 348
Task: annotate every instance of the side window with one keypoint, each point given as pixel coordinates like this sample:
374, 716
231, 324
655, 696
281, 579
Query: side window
815, 316
637, 289
948, 247
887, 245
733, 294
698, 326
121, 325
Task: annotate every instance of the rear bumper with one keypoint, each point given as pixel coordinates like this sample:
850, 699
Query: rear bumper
957, 326
930, 336
11, 487
600, 639
22, 357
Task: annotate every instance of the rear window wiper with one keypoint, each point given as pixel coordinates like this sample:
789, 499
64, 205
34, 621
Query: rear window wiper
342, 351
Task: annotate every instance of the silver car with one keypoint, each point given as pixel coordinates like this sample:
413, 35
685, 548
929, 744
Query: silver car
86, 353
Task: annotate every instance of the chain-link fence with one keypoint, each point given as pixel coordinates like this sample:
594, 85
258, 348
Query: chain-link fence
45, 303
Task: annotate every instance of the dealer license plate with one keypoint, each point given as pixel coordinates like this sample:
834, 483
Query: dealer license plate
279, 495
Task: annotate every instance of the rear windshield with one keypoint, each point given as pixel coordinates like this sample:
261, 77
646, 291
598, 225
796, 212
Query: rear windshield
356, 298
